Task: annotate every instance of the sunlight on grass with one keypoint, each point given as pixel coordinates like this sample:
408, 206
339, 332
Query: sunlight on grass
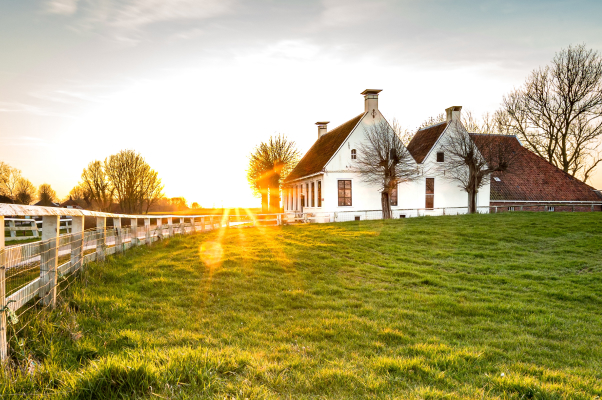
459, 307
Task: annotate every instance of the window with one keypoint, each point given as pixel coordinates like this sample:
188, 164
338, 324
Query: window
430, 193
495, 178
319, 193
307, 203
550, 208
393, 197
313, 197
357, 217
511, 208
440, 156
353, 154
345, 193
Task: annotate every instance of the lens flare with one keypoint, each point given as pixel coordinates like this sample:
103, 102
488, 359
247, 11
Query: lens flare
211, 253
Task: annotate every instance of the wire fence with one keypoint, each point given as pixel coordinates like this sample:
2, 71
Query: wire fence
34, 275
314, 216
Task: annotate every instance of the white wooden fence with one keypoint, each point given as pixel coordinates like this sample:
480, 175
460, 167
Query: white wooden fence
33, 274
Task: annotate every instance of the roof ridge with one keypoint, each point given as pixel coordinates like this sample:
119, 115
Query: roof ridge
430, 126
334, 129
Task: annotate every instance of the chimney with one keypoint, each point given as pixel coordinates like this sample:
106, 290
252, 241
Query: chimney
371, 100
322, 128
453, 113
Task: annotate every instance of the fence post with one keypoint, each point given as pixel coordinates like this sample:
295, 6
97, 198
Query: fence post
118, 235
279, 219
227, 221
133, 232
202, 224
51, 226
13, 232
3, 326
170, 227
101, 233
182, 226
147, 232
77, 243
193, 224
34, 228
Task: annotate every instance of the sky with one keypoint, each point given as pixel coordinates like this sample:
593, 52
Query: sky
194, 85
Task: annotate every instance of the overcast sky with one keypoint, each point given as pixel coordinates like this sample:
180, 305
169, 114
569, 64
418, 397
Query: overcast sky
194, 85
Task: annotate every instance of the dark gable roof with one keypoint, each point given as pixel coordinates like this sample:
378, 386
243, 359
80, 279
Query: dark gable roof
424, 140
323, 149
531, 178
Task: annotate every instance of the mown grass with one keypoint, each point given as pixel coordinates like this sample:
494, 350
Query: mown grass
503, 306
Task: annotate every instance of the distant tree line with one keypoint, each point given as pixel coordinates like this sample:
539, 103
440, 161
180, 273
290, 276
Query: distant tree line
123, 182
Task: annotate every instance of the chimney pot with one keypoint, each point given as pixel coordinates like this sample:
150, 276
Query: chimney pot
371, 99
322, 128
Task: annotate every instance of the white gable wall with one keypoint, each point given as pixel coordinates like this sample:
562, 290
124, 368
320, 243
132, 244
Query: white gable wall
447, 192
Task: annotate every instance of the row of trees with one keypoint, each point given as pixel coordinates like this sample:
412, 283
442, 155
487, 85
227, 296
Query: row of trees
20, 190
124, 179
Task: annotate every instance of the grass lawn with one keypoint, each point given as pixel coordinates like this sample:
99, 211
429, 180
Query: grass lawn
503, 306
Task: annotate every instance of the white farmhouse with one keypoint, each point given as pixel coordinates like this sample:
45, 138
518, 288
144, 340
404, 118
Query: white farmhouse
325, 182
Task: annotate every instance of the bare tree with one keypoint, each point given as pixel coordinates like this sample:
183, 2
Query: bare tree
269, 165
46, 195
96, 181
470, 159
151, 190
384, 161
132, 178
9, 179
82, 195
557, 114
24, 192
432, 121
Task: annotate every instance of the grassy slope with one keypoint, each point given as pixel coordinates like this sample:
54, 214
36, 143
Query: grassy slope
417, 308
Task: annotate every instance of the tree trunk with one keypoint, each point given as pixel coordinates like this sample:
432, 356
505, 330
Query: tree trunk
472, 201
274, 200
264, 200
386, 205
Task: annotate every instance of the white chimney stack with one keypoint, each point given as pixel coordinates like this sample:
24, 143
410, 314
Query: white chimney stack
453, 113
322, 128
371, 99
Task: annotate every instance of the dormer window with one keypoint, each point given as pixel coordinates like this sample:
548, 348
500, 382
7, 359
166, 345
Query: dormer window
440, 156
353, 154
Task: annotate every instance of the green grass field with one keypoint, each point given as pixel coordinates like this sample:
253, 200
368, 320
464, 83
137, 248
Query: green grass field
504, 306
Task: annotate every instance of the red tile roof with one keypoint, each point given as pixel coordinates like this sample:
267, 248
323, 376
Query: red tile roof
323, 149
531, 178
424, 140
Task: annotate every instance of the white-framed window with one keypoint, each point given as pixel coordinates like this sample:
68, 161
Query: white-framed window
353, 154
511, 208
550, 208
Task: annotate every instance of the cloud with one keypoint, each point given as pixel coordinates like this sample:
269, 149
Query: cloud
63, 7
6, 107
129, 21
